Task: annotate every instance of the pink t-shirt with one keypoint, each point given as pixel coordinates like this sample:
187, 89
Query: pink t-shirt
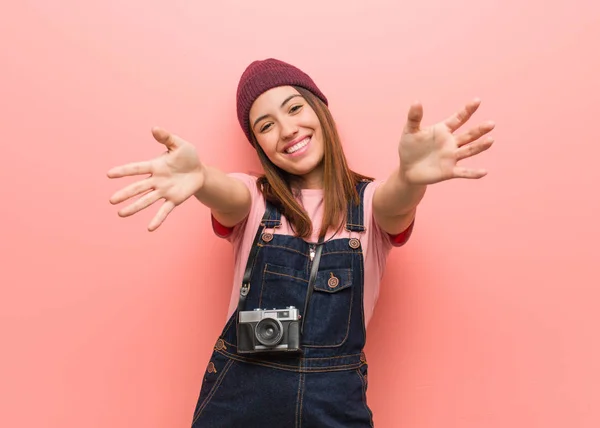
375, 243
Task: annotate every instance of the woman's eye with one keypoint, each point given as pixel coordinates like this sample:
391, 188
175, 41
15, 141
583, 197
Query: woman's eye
295, 108
265, 127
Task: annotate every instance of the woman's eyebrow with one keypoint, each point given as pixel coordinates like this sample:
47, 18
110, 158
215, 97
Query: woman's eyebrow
282, 105
289, 98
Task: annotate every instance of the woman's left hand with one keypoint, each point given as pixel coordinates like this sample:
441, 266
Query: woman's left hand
430, 155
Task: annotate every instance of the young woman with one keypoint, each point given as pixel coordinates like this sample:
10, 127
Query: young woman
310, 238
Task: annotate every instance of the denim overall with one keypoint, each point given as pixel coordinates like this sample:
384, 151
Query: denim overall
325, 386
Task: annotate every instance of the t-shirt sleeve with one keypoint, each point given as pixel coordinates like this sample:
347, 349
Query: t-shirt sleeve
234, 233
402, 238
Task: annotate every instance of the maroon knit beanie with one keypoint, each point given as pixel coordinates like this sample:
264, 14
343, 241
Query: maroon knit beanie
260, 76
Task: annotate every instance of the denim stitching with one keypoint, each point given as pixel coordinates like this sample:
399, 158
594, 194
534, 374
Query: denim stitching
262, 287
283, 274
297, 401
309, 358
296, 369
286, 248
357, 211
364, 395
300, 399
337, 357
213, 390
341, 252
347, 325
325, 252
362, 297
346, 283
350, 219
265, 270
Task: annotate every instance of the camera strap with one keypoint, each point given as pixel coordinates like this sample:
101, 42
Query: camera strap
245, 289
311, 282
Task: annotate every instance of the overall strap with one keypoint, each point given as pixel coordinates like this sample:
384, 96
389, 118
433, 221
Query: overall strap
271, 219
355, 218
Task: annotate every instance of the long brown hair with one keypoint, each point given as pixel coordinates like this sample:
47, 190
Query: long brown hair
339, 181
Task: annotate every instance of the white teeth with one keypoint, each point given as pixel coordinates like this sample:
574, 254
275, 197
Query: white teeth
298, 146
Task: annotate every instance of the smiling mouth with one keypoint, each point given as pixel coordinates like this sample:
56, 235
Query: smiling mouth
298, 146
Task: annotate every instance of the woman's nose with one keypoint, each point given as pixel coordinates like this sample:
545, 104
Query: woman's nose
289, 129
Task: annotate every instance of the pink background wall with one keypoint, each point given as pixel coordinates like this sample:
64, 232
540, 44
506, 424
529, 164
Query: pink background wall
489, 318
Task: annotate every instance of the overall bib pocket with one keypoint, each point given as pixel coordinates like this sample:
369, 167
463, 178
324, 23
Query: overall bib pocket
282, 287
330, 310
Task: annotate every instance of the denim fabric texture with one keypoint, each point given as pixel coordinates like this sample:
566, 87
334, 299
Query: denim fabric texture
325, 386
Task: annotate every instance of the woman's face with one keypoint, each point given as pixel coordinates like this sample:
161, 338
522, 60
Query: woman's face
289, 132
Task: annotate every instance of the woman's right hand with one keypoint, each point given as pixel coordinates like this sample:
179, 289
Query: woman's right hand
174, 176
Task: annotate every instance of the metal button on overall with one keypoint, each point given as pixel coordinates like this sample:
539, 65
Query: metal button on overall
333, 281
354, 243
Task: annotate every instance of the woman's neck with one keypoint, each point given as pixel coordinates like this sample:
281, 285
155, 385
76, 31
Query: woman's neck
312, 180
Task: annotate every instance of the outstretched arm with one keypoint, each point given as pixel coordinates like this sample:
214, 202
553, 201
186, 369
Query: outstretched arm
175, 176
228, 198
428, 156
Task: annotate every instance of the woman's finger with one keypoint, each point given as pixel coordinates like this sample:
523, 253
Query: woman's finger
143, 202
134, 168
413, 118
161, 215
474, 148
475, 133
171, 141
460, 118
471, 173
132, 190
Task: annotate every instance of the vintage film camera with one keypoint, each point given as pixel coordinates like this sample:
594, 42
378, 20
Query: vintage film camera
269, 330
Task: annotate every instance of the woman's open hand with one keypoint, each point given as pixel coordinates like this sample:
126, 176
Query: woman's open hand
173, 176
430, 155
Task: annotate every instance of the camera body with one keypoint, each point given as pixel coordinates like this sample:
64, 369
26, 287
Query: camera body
269, 330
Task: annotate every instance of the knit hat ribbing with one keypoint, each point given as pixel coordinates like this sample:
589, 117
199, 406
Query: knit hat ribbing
260, 76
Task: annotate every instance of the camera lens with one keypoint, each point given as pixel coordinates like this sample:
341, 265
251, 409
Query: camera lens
269, 332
